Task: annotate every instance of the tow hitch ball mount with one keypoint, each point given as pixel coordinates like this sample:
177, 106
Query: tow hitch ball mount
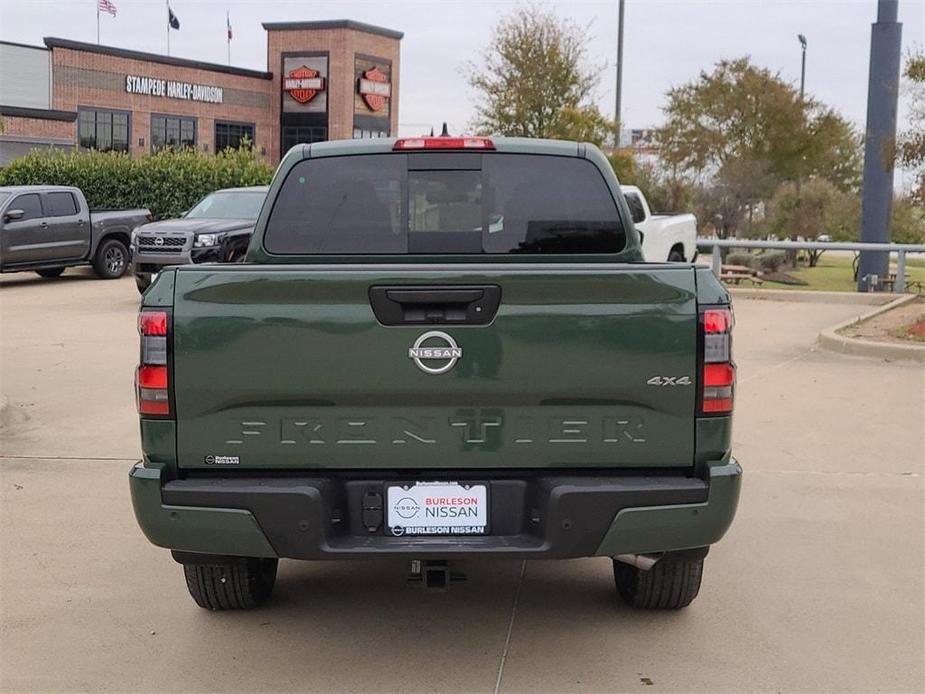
434, 575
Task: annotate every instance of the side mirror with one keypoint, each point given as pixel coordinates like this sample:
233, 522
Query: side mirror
12, 215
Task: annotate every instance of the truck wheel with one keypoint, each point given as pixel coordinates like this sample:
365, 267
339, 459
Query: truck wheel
142, 282
50, 272
675, 256
111, 259
669, 585
243, 584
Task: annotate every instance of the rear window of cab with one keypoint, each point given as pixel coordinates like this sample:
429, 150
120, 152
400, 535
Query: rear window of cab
444, 203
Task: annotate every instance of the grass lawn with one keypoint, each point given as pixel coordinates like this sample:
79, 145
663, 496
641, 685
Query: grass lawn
834, 273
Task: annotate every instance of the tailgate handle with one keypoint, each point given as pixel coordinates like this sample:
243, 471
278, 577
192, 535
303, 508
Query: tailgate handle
417, 305
435, 296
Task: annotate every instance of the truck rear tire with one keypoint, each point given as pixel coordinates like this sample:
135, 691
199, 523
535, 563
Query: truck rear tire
241, 584
669, 585
111, 259
50, 272
676, 256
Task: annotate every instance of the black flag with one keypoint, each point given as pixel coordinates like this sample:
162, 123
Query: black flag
172, 20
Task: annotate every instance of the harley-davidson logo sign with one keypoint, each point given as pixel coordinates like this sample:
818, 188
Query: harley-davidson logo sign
303, 84
375, 88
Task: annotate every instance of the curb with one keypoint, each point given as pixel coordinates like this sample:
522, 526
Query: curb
831, 340
798, 295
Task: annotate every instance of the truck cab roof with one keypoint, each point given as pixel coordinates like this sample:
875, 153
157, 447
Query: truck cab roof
37, 189
515, 145
516, 187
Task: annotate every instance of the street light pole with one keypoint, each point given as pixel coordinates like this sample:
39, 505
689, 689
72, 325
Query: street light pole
792, 255
617, 115
803, 67
879, 141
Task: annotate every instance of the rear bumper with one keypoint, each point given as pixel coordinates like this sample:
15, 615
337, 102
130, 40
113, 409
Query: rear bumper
544, 516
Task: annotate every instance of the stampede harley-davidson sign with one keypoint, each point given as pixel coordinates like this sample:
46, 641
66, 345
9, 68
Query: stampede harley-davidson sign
375, 88
303, 84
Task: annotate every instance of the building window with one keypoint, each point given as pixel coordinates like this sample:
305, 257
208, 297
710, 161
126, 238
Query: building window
106, 131
361, 133
168, 131
303, 135
232, 135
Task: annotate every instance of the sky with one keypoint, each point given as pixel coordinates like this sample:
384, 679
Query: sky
667, 42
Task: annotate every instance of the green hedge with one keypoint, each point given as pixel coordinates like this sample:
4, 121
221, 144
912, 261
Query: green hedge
167, 183
740, 258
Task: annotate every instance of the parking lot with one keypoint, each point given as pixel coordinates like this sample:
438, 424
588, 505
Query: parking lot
819, 585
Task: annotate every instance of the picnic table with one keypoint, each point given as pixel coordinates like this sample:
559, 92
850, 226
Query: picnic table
735, 274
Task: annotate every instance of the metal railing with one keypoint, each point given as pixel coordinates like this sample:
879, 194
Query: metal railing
900, 249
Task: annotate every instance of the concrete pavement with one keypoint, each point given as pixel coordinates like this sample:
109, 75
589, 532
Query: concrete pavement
818, 586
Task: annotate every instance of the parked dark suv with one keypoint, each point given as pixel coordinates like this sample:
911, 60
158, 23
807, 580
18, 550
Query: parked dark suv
216, 229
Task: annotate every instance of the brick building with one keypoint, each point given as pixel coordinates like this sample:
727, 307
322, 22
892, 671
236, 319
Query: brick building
324, 80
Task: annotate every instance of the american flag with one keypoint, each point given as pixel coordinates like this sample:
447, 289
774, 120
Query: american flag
107, 6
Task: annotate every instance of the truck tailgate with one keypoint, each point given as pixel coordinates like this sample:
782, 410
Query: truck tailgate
287, 367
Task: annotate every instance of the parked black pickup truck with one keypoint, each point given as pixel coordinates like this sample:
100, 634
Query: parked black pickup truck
50, 228
216, 229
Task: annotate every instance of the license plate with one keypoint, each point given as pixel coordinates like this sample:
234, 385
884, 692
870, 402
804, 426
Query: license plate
437, 508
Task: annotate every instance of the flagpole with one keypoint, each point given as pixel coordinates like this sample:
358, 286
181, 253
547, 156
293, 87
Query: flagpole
227, 34
168, 27
97, 22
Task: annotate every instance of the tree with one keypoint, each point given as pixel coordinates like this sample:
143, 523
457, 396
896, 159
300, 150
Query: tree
907, 222
912, 140
534, 80
665, 188
819, 207
732, 197
743, 113
623, 165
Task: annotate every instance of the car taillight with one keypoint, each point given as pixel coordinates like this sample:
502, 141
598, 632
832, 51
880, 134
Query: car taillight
443, 142
718, 377
152, 379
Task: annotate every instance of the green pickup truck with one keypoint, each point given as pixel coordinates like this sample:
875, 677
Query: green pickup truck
439, 348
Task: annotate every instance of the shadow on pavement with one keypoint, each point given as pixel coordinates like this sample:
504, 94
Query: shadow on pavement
70, 276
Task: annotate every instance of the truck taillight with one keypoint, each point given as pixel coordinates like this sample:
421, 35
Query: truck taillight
717, 380
152, 379
444, 142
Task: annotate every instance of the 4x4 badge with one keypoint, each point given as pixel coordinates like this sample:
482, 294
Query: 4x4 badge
442, 347
669, 381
